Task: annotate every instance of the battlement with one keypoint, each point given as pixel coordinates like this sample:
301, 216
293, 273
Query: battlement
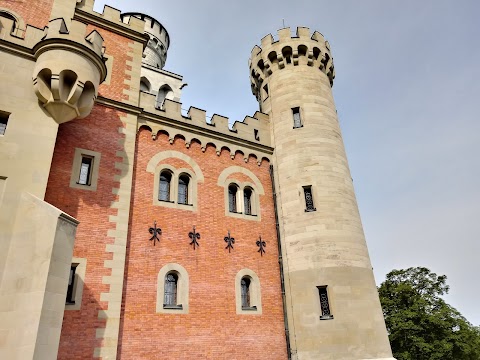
112, 15
250, 136
303, 49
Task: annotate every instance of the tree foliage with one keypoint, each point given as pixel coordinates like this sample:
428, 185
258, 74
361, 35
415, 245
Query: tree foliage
421, 325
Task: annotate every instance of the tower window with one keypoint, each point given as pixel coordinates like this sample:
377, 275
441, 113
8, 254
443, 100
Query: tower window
3, 122
85, 176
164, 188
232, 198
247, 199
309, 206
170, 296
297, 121
71, 286
183, 181
324, 303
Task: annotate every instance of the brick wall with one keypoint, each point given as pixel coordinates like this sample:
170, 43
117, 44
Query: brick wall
35, 13
98, 133
212, 329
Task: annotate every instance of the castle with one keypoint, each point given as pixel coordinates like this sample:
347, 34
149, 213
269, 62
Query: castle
131, 231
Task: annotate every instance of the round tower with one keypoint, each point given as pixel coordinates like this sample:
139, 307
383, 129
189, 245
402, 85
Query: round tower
332, 303
155, 54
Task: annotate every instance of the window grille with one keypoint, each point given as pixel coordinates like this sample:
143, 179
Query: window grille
85, 170
170, 298
247, 196
164, 186
309, 206
245, 285
183, 190
324, 304
297, 121
232, 198
71, 284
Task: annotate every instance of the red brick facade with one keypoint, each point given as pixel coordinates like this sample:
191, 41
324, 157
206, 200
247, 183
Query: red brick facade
212, 329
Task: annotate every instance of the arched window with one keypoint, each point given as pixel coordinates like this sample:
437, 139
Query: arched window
171, 281
248, 298
247, 201
144, 84
183, 181
245, 285
164, 186
165, 92
232, 198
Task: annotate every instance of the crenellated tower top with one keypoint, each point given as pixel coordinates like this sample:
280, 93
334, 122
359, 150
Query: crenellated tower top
303, 49
155, 53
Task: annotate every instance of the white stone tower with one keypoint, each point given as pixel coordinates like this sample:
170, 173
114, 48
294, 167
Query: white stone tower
332, 303
154, 80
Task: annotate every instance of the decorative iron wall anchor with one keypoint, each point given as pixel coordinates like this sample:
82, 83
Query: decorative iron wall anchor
194, 236
261, 244
230, 241
155, 233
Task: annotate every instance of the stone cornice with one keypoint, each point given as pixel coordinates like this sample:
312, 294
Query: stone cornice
15, 49
117, 28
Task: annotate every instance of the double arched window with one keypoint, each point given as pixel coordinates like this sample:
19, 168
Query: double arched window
241, 200
167, 187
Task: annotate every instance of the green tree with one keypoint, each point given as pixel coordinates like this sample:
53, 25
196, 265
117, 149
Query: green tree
421, 325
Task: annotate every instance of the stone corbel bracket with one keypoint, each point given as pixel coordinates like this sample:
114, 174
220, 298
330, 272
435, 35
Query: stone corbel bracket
69, 68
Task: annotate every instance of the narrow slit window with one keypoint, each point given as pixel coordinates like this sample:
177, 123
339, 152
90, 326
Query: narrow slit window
164, 186
3, 122
183, 189
297, 120
324, 303
86, 166
309, 205
71, 286
255, 133
247, 199
232, 198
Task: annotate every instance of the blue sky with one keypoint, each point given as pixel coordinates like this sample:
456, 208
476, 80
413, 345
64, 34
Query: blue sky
407, 93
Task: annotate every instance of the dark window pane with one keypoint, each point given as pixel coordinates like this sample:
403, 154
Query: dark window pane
171, 289
309, 206
183, 190
232, 198
71, 283
164, 187
247, 197
245, 285
297, 122
324, 304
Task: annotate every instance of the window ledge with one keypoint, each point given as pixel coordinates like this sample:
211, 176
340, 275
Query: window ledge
298, 127
70, 303
235, 212
250, 214
173, 307
249, 308
326, 317
167, 201
185, 204
310, 210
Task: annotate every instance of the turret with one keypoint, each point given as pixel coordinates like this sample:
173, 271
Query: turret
332, 303
69, 68
155, 54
